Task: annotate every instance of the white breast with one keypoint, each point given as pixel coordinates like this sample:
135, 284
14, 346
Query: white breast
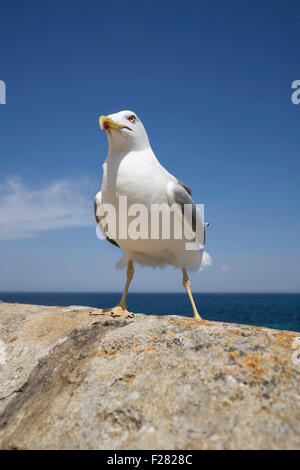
140, 177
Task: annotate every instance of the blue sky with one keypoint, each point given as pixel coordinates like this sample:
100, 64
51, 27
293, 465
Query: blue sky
211, 81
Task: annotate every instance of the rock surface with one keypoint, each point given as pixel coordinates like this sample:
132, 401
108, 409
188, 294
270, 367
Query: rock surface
72, 381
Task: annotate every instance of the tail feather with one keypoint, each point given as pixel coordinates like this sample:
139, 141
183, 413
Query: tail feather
206, 260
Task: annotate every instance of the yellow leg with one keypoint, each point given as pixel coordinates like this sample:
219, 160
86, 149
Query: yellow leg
187, 285
121, 309
130, 273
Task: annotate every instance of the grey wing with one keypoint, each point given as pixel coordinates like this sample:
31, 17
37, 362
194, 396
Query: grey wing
189, 190
185, 186
97, 204
177, 194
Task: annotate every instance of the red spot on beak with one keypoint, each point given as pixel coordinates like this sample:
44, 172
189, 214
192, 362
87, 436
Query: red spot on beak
106, 126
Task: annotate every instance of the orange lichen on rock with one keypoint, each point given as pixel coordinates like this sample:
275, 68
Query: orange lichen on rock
108, 352
128, 377
151, 348
229, 355
153, 337
255, 364
284, 339
234, 332
170, 335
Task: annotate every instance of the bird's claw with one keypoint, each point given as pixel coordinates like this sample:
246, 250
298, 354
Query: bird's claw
114, 312
120, 312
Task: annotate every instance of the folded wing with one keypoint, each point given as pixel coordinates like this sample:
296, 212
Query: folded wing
99, 218
179, 197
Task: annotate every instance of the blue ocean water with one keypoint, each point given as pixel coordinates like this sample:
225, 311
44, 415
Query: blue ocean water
280, 311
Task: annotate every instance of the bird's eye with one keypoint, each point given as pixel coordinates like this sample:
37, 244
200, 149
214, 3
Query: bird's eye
132, 118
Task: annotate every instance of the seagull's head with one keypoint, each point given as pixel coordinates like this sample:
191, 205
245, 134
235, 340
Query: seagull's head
125, 132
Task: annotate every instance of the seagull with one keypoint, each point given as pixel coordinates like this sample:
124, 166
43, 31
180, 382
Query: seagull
131, 171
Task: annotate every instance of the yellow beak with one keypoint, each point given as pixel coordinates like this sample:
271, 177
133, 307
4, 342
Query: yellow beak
106, 123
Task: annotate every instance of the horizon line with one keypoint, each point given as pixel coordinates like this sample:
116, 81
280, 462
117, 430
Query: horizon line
144, 292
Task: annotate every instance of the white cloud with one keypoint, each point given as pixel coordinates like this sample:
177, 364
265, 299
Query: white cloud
26, 212
206, 260
226, 269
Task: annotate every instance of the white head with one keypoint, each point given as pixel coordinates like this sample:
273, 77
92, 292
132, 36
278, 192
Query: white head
125, 132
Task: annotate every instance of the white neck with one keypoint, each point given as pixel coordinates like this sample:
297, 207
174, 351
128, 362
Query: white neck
120, 145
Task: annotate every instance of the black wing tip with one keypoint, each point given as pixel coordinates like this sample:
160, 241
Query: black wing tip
113, 242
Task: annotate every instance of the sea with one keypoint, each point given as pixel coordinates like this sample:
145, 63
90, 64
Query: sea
280, 311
